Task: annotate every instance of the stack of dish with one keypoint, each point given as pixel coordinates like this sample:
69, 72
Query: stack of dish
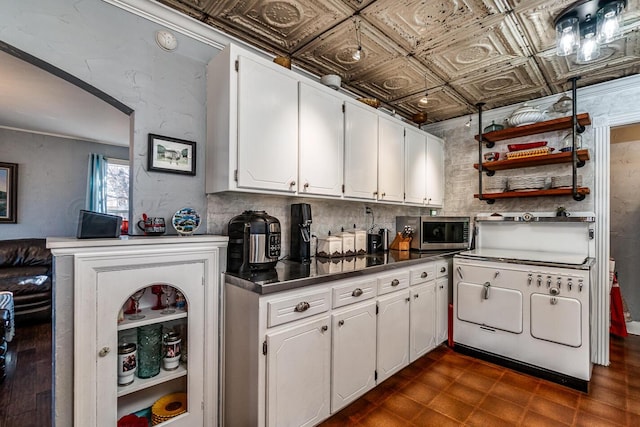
167, 407
540, 151
525, 183
565, 181
494, 184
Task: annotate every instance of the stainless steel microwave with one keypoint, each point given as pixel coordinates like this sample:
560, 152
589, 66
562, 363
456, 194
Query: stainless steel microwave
436, 232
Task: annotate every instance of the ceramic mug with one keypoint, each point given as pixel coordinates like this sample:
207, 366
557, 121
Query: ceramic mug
152, 225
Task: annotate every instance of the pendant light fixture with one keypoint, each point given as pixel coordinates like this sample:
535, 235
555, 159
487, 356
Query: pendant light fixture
357, 55
424, 100
587, 24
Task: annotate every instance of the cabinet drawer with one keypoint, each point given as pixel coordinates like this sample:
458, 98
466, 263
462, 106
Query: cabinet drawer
442, 269
423, 273
297, 307
349, 293
393, 281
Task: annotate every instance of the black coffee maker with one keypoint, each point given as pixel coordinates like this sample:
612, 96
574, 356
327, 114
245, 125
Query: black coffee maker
300, 238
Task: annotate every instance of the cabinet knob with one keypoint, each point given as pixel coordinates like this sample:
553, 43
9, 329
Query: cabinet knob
395, 282
340, 322
306, 185
292, 183
424, 274
384, 194
356, 292
441, 286
302, 306
325, 328
408, 299
443, 269
416, 296
104, 351
375, 193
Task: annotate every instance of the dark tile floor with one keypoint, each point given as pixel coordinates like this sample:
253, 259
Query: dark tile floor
445, 388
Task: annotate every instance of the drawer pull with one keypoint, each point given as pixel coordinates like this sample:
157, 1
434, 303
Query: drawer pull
104, 351
323, 329
302, 306
340, 322
443, 269
395, 282
424, 274
356, 292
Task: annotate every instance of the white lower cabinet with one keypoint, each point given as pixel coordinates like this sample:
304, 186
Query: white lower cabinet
298, 374
354, 354
393, 333
422, 322
442, 309
295, 357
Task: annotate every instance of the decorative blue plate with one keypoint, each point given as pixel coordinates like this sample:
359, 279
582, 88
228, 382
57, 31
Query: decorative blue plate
186, 221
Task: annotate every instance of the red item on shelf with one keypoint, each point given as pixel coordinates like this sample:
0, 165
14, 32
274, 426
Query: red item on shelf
526, 145
157, 290
133, 420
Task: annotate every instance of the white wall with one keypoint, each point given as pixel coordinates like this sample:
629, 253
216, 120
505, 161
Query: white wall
52, 177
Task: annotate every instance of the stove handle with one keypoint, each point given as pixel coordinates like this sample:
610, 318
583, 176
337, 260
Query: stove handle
459, 270
485, 292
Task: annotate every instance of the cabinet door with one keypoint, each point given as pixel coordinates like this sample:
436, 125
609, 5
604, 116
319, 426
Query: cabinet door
415, 144
390, 160
354, 354
321, 142
360, 151
422, 324
298, 374
267, 127
435, 171
442, 310
113, 289
393, 334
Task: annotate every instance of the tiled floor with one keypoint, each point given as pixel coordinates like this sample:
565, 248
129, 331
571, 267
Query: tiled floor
445, 388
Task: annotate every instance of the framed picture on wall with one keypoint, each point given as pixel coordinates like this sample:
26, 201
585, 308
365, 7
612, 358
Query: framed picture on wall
171, 155
8, 192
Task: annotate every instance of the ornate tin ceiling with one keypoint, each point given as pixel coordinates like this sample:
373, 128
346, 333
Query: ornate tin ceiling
461, 52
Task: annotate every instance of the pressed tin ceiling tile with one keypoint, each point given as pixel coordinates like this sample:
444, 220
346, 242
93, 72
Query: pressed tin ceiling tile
497, 51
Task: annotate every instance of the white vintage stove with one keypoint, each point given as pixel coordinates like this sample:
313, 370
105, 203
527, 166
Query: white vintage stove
521, 297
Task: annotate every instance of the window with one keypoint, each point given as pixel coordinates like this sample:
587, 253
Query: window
118, 187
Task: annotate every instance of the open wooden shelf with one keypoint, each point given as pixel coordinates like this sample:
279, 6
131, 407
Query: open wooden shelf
547, 159
540, 127
534, 193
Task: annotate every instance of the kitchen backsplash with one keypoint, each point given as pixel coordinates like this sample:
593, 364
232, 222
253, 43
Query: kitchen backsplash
328, 215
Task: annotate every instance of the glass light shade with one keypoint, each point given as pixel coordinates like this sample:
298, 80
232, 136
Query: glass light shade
609, 19
589, 49
424, 100
357, 54
567, 36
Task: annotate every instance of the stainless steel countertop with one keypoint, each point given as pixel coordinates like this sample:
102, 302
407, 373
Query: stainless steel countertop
292, 275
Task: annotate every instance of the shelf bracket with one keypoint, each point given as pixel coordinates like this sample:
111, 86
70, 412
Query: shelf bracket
490, 201
491, 172
576, 129
480, 141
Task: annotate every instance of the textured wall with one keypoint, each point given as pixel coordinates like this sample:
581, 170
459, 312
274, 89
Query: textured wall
52, 181
625, 219
115, 51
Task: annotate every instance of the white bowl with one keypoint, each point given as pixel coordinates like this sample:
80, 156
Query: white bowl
331, 80
526, 115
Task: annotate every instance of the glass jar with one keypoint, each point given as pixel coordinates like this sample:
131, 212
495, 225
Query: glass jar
149, 350
126, 363
172, 352
567, 142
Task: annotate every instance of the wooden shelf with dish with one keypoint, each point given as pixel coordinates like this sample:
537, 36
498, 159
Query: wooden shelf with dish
533, 193
532, 129
522, 162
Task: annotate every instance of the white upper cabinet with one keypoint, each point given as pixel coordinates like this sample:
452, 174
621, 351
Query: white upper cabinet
435, 171
321, 142
267, 127
415, 145
361, 151
390, 160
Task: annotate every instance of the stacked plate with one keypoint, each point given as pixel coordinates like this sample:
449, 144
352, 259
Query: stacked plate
494, 184
565, 181
167, 407
523, 183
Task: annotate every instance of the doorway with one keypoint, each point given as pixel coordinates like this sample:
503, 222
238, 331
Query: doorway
625, 217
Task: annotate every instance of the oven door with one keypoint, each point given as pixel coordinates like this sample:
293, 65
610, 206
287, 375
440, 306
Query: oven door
556, 319
490, 306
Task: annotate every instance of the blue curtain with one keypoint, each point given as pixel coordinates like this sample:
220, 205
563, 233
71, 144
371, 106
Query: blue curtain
96, 199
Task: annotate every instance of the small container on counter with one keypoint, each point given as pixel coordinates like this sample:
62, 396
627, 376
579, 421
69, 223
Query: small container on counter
329, 246
360, 241
127, 363
348, 243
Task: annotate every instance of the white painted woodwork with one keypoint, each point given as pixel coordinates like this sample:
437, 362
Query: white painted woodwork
423, 273
415, 164
267, 127
354, 354
298, 374
354, 291
360, 151
390, 160
393, 281
435, 171
556, 319
392, 334
298, 307
442, 309
422, 322
321, 142
501, 308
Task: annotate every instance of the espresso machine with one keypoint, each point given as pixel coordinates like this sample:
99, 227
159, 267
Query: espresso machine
300, 238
